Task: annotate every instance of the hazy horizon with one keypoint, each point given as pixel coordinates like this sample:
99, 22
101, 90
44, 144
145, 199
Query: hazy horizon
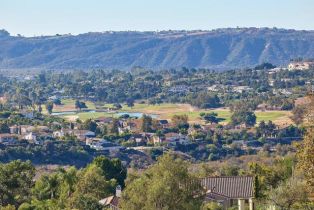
143, 31
35, 18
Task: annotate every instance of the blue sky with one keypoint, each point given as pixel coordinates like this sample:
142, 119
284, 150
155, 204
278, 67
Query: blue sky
42, 17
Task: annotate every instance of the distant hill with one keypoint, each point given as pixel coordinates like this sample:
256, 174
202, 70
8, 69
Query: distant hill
217, 49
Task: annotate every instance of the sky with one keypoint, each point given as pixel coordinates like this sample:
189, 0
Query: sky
50, 17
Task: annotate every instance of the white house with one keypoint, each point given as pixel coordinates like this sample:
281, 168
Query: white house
31, 137
103, 145
80, 134
302, 65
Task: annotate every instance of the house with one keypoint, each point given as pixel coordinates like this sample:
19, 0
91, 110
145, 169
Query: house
179, 89
138, 138
21, 129
213, 88
83, 134
59, 134
271, 82
171, 139
15, 129
112, 202
31, 137
122, 130
282, 91
7, 138
241, 89
158, 139
301, 65
104, 120
25, 129
217, 88
175, 138
230, 191
130, 125
103, 145
80, 134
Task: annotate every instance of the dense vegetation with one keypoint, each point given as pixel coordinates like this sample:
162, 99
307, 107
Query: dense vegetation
276, 89
283, 176
169, 184
63, 189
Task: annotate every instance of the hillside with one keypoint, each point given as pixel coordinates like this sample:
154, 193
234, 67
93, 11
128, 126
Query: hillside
218, 49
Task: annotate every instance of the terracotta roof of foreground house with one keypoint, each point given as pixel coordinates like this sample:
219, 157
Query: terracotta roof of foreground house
230, 186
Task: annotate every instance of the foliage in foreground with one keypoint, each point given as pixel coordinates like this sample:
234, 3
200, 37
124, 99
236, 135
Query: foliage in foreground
166, 185
64, 189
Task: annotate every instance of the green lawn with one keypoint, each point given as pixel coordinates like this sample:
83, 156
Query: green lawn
71, 103
195, 115
164, 111
88, 115
271, 115
226, 114
149, 108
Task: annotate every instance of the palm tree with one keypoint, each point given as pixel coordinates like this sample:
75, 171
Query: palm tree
69, 180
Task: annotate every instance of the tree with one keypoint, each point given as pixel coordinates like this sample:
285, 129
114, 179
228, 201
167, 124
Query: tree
114, 126
180, 121
205, 100
49, 106
86, 202
91, 187
89, 125
8, 207
130, 102
269, 177
77, 105
242, 113
57, 101
265, 66
44, 204
16, 180
261, 129
47, 187
117, 106
271, 127
298, 114
305, 157
4, 128
291, 194
111, 169
147, 123
21, 98
243, 117
53, 191
68, 180
305, 154
166, 185
40, 109
212, 206
266, 130
210, 117
80, 105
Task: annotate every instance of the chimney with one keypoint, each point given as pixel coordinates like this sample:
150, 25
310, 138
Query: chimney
118, 191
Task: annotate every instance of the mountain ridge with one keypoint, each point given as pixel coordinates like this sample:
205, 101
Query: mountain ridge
215, 49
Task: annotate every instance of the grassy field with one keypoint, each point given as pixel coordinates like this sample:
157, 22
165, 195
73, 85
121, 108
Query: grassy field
226, 114
69, 105
166, 111
87, 115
